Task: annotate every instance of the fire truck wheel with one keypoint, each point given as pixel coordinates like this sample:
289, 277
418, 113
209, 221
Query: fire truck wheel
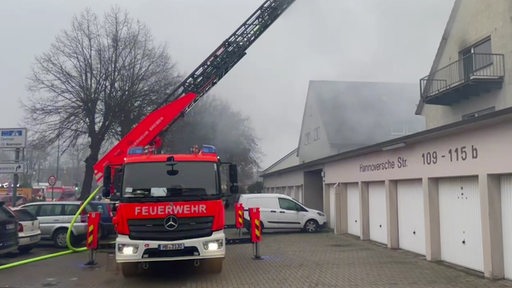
129, 269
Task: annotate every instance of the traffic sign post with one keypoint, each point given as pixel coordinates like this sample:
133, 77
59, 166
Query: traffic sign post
13, 138
15, 177
52, 180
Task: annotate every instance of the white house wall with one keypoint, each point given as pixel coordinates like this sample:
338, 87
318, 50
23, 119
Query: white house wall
287, 161
475, 232
475, 151
284, 179
313, 143
290, 184
474, 21
482, 155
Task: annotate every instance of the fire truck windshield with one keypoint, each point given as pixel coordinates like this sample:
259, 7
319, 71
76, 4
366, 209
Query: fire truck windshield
183, 180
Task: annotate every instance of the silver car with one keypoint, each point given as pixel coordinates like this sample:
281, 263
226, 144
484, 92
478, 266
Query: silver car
55, 219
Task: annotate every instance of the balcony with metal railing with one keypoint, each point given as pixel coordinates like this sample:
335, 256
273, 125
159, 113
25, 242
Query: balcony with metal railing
473, 75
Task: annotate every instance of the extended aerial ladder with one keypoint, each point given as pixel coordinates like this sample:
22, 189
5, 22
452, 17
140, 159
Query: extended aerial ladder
196, 85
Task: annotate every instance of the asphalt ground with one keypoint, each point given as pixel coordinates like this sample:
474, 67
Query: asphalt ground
287, 260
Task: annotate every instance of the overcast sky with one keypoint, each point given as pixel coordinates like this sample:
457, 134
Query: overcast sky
345, 40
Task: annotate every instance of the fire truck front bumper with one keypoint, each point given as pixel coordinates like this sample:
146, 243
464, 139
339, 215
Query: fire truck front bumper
128, 250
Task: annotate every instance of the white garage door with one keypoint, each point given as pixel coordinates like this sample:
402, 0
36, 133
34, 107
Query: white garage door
411, 219
460, 222
353, 209
506, 220
378, 215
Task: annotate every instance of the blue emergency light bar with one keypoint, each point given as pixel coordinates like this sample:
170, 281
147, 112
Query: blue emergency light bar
136, 150
209, 149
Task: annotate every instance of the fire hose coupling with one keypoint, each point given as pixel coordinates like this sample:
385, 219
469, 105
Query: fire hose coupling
213, 245
127, 249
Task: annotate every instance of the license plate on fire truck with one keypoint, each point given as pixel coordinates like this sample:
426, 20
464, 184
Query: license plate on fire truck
172, 246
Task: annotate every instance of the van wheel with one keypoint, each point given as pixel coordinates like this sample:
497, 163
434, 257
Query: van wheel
129, 269
311, 226
59, 238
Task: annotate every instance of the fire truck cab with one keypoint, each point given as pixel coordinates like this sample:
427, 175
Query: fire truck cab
169, 208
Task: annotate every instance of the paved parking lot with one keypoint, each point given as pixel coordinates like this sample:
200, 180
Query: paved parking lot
288, 260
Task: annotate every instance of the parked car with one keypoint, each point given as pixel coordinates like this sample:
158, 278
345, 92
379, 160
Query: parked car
8, 230
29, 233
55, 219
279, 211
106, 210
20, 200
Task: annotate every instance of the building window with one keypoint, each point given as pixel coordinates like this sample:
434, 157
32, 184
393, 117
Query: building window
477, 56
316, 134
483, 55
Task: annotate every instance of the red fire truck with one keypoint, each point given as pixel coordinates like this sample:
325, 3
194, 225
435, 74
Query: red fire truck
170, 205
170, 209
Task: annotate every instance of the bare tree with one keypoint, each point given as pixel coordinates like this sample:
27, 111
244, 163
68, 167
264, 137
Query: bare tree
36, 156
212, 121
97, 80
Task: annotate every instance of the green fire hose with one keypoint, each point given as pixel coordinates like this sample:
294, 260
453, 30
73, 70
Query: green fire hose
68, 239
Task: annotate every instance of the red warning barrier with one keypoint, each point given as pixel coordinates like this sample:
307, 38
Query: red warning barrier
254, 214
239, 216
93, 221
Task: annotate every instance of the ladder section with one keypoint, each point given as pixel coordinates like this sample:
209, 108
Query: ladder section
230, 51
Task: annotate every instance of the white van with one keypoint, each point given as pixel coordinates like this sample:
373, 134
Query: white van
278, 211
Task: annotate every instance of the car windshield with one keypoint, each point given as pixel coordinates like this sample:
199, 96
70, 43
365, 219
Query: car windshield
186, 180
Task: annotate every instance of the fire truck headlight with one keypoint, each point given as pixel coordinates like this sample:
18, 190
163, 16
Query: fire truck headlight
127, 249
213, 245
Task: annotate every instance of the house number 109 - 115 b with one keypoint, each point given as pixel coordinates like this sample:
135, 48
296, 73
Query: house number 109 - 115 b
456, 154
